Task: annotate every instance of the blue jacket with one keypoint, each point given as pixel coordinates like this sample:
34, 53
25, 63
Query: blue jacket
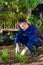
28, 37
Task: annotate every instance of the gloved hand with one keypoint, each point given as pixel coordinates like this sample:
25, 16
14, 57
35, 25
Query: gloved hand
23, 52
17, 49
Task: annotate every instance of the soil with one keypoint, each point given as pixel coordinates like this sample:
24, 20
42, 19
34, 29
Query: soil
13, 60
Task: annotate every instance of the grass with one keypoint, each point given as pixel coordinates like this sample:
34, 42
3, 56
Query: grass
5, 56
20, 58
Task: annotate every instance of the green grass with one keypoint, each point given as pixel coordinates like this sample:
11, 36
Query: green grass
20, 58
5, 55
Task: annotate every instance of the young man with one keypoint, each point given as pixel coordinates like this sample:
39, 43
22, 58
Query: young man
29, 35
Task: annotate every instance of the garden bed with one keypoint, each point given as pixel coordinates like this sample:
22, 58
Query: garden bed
14, 61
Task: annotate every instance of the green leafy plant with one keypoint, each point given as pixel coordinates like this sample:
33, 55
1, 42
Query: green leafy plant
20, 58
12, 10
5, 56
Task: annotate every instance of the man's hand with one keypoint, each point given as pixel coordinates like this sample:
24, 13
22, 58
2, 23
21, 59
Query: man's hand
24, 51
17, 48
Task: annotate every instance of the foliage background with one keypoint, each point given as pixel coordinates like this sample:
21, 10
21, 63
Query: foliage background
12, 10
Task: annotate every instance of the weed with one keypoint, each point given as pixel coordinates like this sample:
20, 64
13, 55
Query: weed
5, 55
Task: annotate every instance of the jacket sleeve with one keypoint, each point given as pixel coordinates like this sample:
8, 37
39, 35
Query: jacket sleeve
18, 36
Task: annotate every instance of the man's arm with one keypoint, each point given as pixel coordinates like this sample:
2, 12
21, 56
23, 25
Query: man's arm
17, 41
27, 47
18, 36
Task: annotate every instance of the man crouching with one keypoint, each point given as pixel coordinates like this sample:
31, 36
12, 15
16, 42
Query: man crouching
30, 36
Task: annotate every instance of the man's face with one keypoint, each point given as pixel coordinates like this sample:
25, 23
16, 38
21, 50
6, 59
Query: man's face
23, 25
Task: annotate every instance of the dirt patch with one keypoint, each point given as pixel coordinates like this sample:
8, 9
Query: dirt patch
13, 60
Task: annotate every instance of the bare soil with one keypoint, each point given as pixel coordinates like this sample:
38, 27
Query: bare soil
13, 60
